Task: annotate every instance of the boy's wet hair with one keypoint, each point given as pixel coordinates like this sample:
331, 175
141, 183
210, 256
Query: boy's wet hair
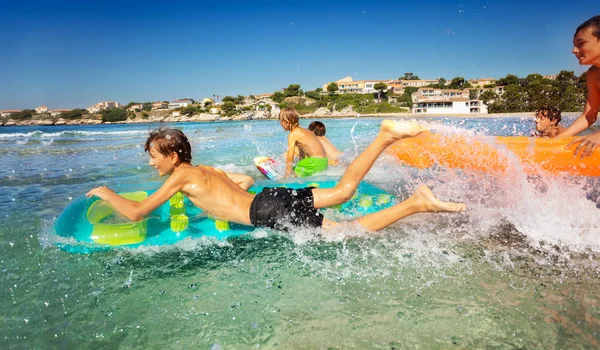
290, 115
593, 23
167, 141
318, 128
551, 113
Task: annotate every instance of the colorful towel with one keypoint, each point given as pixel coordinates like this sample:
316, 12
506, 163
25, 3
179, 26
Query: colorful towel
310, 166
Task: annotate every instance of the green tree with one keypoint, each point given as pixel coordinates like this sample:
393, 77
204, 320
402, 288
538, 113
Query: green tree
292, 90
190, 110
114, 115
409, 76
228, 108
509, 79
147, 106
488, 96
536, 94
332, 88
512, 99
406, 98
380, 87
459, 83
277, 96
532, 79
566, 78
441, 84
473, 94
229, 99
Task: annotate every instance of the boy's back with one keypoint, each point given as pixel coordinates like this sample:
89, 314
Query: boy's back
307, 142
313, 158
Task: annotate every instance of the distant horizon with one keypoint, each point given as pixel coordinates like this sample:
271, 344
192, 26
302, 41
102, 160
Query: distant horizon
68, 54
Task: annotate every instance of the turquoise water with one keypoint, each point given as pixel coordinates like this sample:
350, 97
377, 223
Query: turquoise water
519, 269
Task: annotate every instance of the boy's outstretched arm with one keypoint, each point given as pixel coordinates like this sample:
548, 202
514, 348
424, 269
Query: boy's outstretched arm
590, 111
133, 210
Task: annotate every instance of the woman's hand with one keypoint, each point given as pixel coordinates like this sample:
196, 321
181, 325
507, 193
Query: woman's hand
586, 145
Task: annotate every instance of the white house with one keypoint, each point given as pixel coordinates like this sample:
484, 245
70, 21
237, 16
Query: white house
41, 109
446, 102
132, 108
57, 112
456, 105
179, 104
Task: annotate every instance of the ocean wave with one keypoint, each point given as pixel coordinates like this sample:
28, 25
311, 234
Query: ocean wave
70, 133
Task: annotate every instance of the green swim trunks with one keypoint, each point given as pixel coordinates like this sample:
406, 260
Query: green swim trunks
310, 166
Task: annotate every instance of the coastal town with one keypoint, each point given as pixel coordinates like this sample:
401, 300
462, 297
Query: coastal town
344, 97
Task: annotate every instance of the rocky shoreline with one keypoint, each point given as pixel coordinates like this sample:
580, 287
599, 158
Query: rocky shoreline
205, 117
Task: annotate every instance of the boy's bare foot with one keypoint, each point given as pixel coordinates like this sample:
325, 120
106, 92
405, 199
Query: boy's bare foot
397, 130
428, 202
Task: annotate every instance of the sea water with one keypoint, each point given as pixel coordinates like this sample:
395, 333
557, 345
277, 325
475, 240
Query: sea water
518, 269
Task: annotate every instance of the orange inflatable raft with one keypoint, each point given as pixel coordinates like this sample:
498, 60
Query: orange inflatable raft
494, 154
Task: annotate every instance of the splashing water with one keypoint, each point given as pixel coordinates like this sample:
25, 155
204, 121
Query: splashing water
518, 269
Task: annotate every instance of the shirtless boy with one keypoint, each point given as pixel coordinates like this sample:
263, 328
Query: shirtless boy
586, 47
220, 197
332, 153
313, 158
547, 121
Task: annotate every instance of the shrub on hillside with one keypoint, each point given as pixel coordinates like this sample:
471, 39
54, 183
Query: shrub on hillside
114, 115
74, 113
23, 115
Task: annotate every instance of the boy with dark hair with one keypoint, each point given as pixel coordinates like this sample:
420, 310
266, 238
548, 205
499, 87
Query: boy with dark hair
586, 47
220, 197
547, 121
313, 158
333, 154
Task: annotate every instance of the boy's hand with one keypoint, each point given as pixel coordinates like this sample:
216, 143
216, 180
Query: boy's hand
587, 145
102, 192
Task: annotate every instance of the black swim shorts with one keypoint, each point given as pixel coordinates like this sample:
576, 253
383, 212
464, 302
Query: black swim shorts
275, 207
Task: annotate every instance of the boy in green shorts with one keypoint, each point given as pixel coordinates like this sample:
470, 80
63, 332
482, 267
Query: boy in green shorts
313, 158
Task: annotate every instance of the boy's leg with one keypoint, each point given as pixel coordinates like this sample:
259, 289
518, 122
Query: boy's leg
422, 201
389, 132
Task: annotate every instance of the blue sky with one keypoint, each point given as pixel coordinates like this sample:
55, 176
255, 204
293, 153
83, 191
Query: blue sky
72, 54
